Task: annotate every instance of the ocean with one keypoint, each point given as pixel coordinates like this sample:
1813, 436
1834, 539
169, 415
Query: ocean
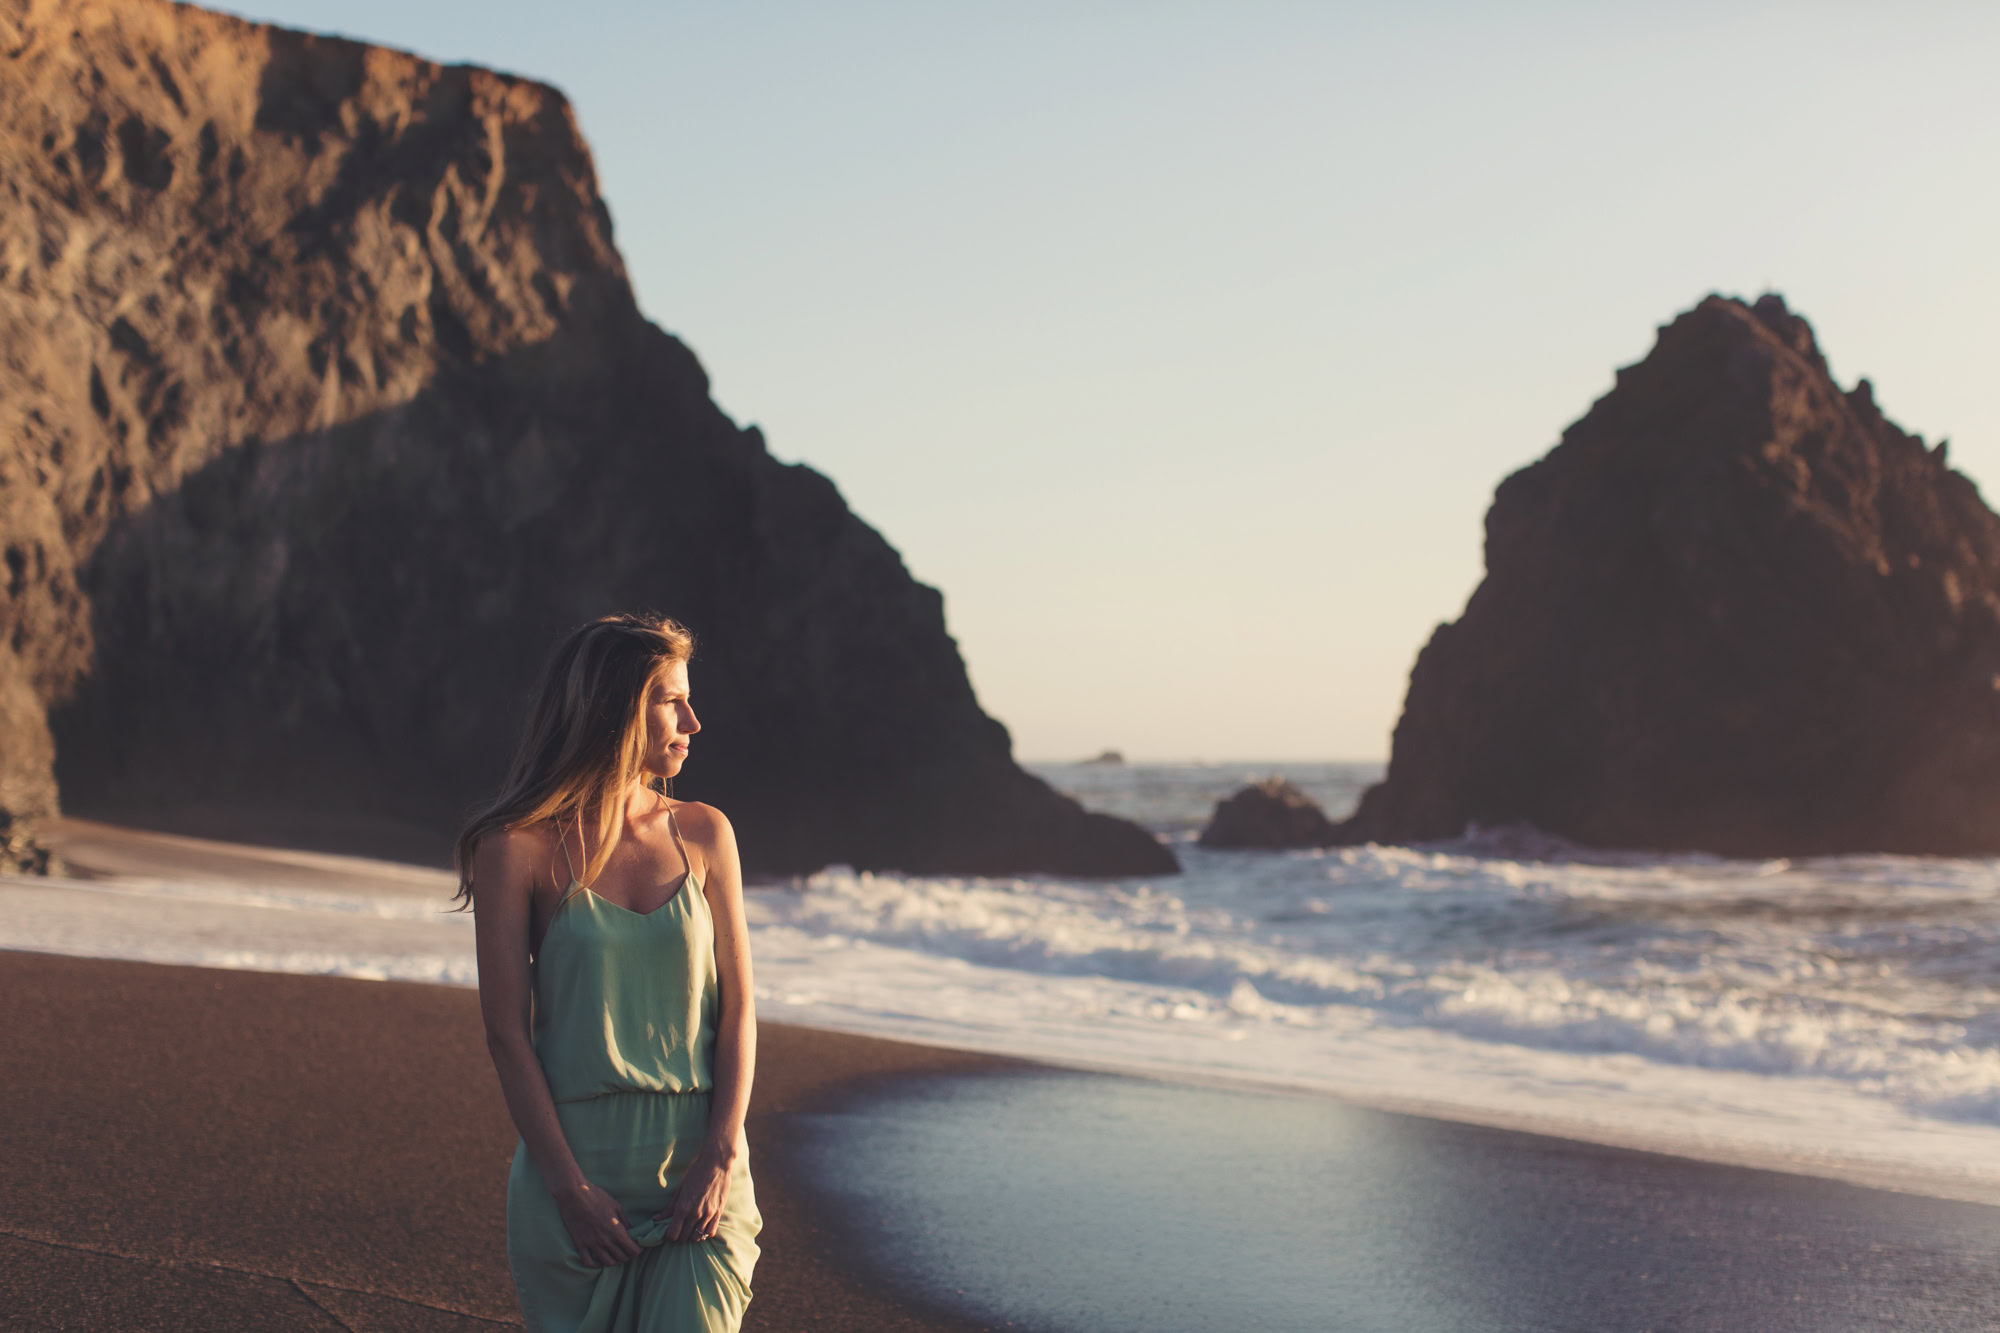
1838, 1016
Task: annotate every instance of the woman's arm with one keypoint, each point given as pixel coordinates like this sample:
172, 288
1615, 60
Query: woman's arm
696, 1210
736, 1025
502, 900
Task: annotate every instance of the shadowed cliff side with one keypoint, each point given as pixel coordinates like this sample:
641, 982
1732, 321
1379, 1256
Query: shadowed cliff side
327, 408
1735, 609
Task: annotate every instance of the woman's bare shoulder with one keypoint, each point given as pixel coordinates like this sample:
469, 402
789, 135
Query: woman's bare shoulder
517, 850
702, 824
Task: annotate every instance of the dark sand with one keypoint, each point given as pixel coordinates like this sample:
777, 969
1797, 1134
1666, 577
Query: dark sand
212, 1150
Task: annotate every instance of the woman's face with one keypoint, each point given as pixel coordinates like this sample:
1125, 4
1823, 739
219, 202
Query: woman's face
670, 721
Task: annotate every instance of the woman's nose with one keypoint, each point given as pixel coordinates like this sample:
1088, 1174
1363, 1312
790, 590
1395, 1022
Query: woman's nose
692, 724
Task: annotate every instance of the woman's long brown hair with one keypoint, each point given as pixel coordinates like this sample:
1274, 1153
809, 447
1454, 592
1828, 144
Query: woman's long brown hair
586, 735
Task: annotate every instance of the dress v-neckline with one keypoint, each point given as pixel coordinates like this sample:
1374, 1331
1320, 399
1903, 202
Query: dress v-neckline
680, 892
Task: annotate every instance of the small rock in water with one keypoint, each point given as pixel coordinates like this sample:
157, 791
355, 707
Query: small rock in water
1272, 813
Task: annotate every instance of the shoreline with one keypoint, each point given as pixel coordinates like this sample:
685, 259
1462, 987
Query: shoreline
1134, 1203
1894, 1179
223, 1149
179, 867
104, 854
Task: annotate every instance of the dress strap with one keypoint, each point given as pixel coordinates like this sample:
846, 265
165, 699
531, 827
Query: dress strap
562, 840
674, 824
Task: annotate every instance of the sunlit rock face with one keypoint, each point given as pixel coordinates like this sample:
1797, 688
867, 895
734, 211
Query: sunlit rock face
1735, 609
325, 408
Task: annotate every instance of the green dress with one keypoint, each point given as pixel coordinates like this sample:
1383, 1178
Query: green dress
624, 1027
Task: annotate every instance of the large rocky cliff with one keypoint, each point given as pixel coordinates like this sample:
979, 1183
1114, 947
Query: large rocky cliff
1735, 609
325, 407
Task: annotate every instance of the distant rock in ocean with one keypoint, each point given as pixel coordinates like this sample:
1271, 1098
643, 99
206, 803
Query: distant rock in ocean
1735, 609
326, 407
1107, 758
1269, 814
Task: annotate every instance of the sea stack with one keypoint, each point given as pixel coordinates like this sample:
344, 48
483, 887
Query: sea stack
1735, 609
326, 407
1270, 814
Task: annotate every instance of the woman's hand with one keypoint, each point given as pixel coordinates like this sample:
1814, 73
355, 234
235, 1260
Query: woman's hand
596, 1226
696, 1210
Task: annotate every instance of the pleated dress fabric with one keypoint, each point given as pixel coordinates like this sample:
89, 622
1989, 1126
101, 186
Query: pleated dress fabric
624, 1026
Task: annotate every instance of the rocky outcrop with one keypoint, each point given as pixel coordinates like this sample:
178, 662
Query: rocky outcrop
1735, 609
325, 407
1268, 814
22, 851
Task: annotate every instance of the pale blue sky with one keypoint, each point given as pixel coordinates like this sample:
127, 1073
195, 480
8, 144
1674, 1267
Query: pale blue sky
1181, 345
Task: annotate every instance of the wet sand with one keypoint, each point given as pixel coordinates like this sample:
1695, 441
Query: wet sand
1068, 1200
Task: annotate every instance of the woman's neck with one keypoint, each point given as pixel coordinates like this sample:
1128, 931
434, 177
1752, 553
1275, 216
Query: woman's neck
643, 798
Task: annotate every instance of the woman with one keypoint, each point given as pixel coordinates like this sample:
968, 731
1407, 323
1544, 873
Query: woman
614, 976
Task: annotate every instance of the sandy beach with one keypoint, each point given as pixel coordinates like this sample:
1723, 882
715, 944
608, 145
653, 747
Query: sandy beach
204, 1149
210, 1150
193, 1147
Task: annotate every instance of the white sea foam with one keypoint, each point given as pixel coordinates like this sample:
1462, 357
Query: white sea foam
1838, 1014
1827, 1014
